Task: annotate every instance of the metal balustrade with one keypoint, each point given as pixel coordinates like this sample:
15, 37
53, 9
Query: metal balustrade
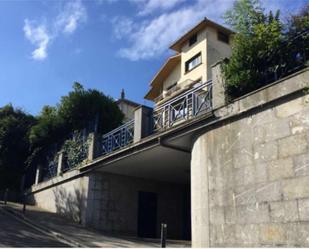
194, 102
49, 170
118, 138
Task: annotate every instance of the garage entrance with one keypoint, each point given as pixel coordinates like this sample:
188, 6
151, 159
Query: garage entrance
146, 189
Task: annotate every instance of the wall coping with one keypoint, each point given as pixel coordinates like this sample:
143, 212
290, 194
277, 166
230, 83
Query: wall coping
66, 176
267, 94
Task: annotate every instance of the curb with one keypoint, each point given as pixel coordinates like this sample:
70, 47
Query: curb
57, 235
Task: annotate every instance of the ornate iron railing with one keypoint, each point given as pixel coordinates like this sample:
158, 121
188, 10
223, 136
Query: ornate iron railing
49, 170
118, 138
194, 102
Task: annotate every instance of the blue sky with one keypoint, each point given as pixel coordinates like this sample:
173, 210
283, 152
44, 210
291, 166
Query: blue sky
105, 44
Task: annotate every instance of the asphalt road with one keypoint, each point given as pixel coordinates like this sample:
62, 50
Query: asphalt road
14, 233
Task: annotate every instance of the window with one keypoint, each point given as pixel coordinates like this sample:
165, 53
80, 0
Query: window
192, 39
193, 62
223, 37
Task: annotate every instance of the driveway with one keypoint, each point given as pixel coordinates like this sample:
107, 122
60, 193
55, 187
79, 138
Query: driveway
14, 233
78, 234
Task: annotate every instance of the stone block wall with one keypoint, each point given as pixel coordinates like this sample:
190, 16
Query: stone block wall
113, 204
250, 179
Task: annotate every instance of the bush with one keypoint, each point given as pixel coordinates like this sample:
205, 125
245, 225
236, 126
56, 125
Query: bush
258, 37
79, 109
75, 150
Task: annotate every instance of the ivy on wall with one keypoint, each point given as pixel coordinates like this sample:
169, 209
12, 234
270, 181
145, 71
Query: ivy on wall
75, 150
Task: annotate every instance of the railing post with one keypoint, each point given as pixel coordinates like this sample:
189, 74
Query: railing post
60, 163
38, 174
92, 147
218, 89
142, 122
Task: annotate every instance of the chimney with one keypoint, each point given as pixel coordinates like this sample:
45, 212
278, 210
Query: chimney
122, 96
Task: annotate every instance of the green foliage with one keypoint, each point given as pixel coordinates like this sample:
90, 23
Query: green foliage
75, 150
79, 109
244, 15
259, 36
81, 106
49, 128
299, 22
14, 145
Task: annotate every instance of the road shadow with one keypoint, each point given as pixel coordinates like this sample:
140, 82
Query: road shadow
14, 233
89, 237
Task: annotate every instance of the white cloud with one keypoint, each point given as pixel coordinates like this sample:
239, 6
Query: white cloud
123, 26
149, 6
38, 36
41, 34
152, 38
72, 14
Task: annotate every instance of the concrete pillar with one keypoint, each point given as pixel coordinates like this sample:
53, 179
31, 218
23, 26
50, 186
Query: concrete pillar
38, 174
60, 163
92, 146
218, 89
142, 122
199, 194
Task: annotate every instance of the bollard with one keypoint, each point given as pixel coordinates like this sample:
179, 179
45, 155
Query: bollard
163, 235
6, 196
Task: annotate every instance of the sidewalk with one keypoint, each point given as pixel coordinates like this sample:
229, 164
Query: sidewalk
78, 235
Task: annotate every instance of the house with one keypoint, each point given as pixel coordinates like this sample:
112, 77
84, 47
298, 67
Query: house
126, 106
195, 52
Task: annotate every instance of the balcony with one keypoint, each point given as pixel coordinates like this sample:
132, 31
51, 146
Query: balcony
187, 105
118, 138
175, 90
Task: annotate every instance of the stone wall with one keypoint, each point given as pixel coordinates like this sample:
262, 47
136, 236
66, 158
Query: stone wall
113, 204
250, 175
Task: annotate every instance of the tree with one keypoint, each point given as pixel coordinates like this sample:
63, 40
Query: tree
264, 49
244, 15
49, 128
79, 109
14, 145
299, 22
254, 47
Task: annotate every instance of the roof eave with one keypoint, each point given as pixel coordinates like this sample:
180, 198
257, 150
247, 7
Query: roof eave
176, 46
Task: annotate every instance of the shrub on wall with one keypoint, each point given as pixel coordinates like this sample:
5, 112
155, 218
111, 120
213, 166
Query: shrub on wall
75, 150
262, 48
258, 36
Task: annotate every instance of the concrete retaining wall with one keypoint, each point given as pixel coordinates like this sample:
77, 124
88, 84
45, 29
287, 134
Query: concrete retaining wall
250, 173
68, 198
